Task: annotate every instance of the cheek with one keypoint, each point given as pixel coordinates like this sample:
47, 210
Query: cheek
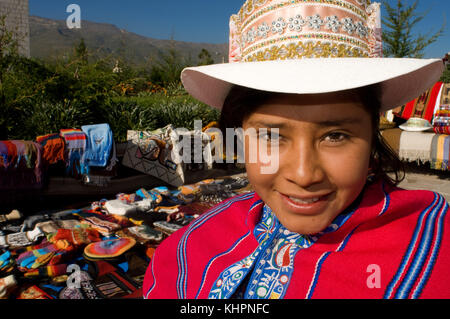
261, 169
348, 170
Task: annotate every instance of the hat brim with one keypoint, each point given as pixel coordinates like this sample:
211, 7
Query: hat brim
399, 80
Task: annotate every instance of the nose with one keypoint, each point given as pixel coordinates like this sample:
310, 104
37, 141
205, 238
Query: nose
304, 166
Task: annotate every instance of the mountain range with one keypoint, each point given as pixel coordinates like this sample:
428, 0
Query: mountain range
50, 39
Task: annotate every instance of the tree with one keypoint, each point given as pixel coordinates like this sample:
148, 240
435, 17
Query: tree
168, 68
205, 58
398, 38
81, 52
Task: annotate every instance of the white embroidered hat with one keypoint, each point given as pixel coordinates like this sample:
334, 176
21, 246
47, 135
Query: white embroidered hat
310, 47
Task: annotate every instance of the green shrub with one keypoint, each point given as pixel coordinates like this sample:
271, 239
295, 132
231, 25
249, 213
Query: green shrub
47, 118
155, 111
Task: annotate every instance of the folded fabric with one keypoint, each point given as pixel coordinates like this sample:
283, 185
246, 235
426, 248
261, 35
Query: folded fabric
118, 207
440, 152
143, 234
415, 146
99, 143
108, 249
52, 148
441, 120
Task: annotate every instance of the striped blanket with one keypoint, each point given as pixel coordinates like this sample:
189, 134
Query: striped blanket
75, 146
440, 152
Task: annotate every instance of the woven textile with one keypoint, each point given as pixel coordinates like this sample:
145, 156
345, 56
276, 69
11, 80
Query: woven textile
440, 152
423, 106
415, 146
402, 232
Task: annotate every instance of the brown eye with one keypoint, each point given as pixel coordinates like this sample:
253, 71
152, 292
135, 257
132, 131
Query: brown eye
336, 137
268, 135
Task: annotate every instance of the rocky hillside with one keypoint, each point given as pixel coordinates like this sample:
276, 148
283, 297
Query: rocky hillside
51, 38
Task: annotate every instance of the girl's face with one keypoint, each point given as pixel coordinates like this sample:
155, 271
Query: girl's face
324, 147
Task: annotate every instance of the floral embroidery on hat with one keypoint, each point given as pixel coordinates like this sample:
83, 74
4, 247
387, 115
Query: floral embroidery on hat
315, 22
361, 30
278, 26
348, 25
332, 23
263, 30
296, 23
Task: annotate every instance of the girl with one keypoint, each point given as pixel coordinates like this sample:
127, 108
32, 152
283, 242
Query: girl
329, 221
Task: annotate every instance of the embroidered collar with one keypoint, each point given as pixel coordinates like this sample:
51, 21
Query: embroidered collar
267, 271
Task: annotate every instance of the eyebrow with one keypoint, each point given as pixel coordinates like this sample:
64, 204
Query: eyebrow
339, 122
323, 123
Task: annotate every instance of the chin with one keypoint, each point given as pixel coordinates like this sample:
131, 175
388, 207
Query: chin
305, 225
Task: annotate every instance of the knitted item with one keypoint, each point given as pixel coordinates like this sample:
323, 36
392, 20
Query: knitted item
52, 148
108, 249
104, 227
5, 260
47, 255
72, 239
6, 285
47, 271
21, 239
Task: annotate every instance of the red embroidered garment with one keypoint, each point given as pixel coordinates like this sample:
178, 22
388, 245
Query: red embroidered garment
395, 245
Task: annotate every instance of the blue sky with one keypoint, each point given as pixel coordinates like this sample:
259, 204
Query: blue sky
204, 20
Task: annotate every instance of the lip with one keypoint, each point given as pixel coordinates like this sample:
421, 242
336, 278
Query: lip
311, 208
